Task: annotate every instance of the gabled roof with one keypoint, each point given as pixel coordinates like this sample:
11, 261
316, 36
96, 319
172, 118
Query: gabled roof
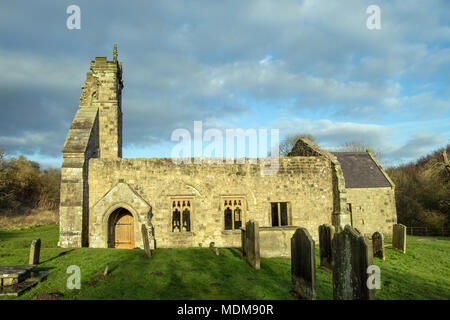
361, 171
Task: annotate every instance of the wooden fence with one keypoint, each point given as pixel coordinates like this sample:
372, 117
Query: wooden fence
424, 231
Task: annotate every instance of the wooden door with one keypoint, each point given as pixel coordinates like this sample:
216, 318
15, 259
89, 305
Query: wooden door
124, 232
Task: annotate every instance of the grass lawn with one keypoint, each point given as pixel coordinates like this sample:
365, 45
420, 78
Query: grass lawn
196, 273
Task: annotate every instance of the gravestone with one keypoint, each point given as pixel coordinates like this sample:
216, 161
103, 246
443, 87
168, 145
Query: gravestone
35, 251
378, 245
14, 280
399, 237
352, 255
243, 241
303, 264
144, 231
326, 234
212, 246
252, 253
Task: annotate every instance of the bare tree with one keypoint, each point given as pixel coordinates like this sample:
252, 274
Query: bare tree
356, 146
289, 142
2, 158
446, 162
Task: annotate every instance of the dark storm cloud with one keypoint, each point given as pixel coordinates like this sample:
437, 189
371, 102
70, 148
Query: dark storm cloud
194, 60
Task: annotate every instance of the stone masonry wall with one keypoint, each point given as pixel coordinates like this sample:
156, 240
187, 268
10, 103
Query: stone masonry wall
373, 209
81, 144
276, 242
107, 98
96, 131
304, 182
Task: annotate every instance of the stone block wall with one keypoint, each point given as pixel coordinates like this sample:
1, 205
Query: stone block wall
304, 182
81, 144
96, 131
373, 209
276, 241
106, 96
95, 181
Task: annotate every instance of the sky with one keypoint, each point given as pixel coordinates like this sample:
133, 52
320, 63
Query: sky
297, 66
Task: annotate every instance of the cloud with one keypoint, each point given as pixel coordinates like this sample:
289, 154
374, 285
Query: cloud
417, 146
332, 135
233, 63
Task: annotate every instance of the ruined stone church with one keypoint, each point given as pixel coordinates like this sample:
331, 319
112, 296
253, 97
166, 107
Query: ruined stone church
105, 199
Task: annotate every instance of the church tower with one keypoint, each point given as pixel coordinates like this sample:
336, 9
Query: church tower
96, 132
106, 95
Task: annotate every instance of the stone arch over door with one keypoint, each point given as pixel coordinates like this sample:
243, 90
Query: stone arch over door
120, 196
121, 226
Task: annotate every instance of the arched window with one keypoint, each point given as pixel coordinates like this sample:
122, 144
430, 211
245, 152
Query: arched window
186, 220
176, 220
233, 213
181, 215
228, 219
237, 218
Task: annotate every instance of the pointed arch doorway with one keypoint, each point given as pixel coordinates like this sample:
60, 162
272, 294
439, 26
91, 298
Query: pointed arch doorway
121, 229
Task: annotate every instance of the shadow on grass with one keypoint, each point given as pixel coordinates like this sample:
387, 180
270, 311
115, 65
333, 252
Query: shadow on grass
234, 251
58, 256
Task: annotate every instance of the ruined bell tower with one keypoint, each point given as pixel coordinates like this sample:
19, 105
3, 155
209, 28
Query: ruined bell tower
96, 132
106, 95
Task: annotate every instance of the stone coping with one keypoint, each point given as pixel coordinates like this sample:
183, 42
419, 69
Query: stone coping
15, 271
232, 232
275, 228
17, 289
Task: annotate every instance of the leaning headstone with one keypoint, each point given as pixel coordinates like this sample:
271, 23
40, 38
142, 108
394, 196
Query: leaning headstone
303, 264
35, 251
144, 231
252, 244
105, 273
352, 255
326, 234
399, 237
378, 245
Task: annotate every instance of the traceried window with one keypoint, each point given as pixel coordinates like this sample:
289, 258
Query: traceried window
181, 215
233, 213
279, 214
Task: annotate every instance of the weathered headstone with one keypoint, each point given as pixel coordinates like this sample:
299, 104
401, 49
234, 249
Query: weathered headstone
243, 241
144, 231
212, 246
35, 251
252, 244
399, 237
326, 234
378, 245
105, 273
352, 255
14, 280
303, 264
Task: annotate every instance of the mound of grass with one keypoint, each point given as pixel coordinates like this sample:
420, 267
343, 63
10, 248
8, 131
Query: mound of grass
197, 273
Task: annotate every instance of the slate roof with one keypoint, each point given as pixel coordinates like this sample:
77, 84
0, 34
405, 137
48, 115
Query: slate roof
360, 171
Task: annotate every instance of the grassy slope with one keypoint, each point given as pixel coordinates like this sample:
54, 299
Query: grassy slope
423, 273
